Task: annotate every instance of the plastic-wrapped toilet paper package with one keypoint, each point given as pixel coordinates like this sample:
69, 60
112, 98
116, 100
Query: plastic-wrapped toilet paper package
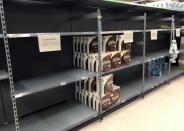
93, 85
125, 58
74, 43
107, 83
104, 41
105, 101
120, 41
76, 92
121, 45
106, 61
126, 46
90, 99
86, 97
93, 61
115, 95
92, 44
85, 62
80, 45
75, 59
81, 60
111, 44
116, 59
84, 50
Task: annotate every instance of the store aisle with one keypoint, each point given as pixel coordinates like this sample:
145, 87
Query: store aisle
161, 110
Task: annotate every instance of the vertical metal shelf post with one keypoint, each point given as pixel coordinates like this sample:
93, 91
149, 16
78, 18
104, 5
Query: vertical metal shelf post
8, 60
144, 56
100, 67
171, 38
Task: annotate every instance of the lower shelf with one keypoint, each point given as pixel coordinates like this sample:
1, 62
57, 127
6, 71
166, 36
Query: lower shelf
152, 82
71, 114
133, 88
58, 118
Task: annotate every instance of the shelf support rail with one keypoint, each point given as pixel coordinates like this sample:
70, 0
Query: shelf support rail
172, 37
144, 55
100, 68
8, 60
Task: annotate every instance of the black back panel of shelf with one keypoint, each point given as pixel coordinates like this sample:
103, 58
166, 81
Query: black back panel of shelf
2, 115
33, 18
162, 43
37, 101
28, 61
124, 76
3, 65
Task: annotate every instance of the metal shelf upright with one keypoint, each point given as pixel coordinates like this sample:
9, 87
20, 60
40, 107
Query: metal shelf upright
8, 59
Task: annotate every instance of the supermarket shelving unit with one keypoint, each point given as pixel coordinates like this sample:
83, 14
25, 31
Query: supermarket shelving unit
45, 102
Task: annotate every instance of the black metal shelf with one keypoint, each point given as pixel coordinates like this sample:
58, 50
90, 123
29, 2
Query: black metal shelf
61, 117
39, 84
3, 75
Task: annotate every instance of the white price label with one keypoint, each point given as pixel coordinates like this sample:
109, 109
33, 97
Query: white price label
178, 32
83, 78
49, 42
128, 36
63, 83
154, 34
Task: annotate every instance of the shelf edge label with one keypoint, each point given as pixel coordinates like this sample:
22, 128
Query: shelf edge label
154, 34
49, 42
128, 36
178, 32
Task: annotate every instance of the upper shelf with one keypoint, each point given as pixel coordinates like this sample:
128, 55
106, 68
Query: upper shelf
39, 84
128, 5
98, 4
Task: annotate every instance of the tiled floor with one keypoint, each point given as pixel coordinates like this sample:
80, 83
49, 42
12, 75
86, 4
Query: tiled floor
161, 110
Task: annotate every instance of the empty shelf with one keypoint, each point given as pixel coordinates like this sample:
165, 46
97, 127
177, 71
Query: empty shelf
157, 55
154, 81
133, 88
130, 90
137, 60
29, 86
58, 118
3, 75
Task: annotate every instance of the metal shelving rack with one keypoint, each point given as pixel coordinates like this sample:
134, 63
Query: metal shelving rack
73, 114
